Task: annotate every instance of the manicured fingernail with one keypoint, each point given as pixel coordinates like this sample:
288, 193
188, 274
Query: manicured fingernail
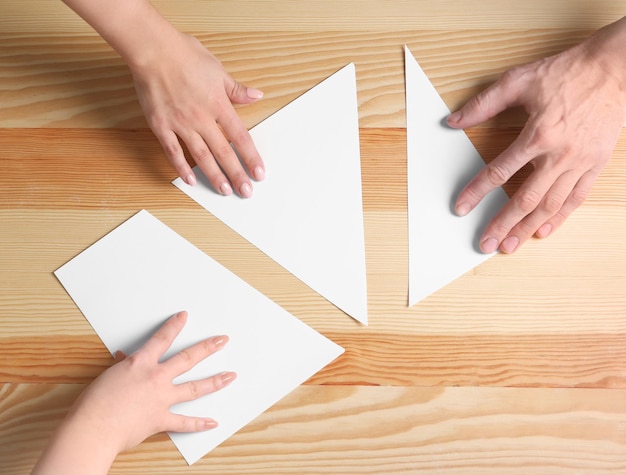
245, 190
544, 230
190, 179
510, 244
455, 116
228, 377
259, 173
220, 341
254, 93
210, 424
489, 245
225, 189
462, 209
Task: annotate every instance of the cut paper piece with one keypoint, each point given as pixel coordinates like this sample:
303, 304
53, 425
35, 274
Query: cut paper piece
440, 161
129, 282
307, 214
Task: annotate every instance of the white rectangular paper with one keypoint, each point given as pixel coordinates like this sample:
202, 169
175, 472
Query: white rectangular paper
129, 282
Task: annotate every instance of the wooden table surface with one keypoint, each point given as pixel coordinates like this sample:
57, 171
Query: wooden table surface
517, 367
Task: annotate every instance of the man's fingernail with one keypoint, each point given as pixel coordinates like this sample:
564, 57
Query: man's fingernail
259, 173
254, 93
510, 244
462, 209
190, 179
455, 116
228, 377
245, 190
225, 189
544, 230
489, 245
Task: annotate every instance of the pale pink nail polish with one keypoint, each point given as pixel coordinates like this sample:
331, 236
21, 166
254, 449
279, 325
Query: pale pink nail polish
245, 190
220, 341
259, 173
254, 93
228, 377
210, 424
225, 189
190, 179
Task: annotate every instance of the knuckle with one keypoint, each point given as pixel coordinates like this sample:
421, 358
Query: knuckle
525, 228
579, 196
202, 154
500, 229
541, 138
223, 151
552, 203
242, 137
185, 356
159, 123
515, 75
171, 148
496, 174
527, 200
193, 389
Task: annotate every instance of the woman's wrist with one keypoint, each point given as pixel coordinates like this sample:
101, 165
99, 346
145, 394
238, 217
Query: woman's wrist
133, 28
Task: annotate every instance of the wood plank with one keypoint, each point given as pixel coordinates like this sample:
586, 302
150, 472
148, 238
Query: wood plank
117, 169
348, 429
375, 358
78, 81
327, 15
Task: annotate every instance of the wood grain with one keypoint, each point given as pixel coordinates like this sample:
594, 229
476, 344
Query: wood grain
515, 367
78, 81
351, 429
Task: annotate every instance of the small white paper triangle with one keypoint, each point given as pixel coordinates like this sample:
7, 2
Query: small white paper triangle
307, 214
441, 160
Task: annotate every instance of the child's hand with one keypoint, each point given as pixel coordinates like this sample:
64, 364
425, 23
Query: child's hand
130, 401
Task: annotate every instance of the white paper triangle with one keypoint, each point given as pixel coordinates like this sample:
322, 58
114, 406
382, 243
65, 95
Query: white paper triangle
130, 281
307, 214
441, 160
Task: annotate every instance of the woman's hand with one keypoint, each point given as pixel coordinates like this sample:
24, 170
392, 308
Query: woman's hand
187, 96
185, 93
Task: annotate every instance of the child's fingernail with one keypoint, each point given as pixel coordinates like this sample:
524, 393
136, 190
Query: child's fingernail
210, 424
228, 377
254, 93
220, 341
